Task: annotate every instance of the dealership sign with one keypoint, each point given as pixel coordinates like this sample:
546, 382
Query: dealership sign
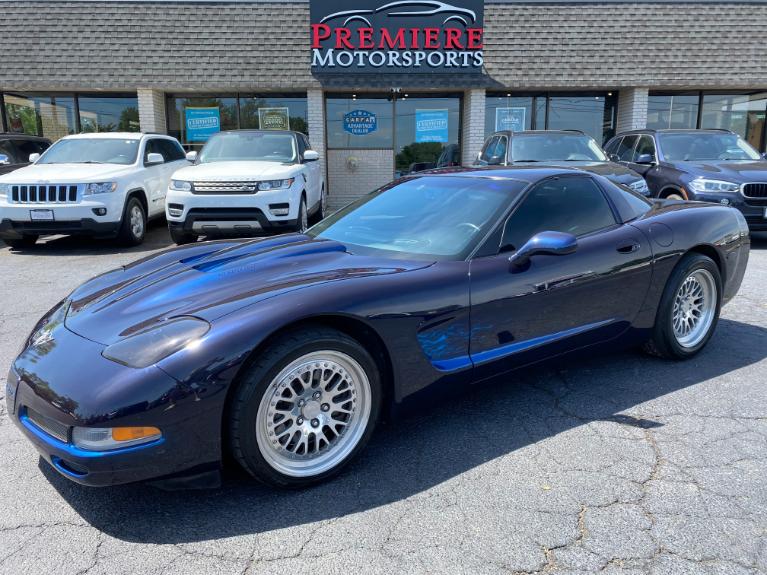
410, 36
201, 123
431, 126
509, 119
360, 122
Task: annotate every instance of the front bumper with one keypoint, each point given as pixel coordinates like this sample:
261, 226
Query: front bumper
73, 219
53, 381
216, 213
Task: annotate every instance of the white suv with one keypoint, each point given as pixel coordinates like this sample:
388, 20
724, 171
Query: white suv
104, 185
247, 182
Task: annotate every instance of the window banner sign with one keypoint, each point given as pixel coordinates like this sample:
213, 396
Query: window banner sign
510, 119
431, 125
201, 123
274, 118
404, 36
360, 122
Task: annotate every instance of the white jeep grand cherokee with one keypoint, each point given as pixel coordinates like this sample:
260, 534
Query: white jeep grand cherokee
103, 184
246, 182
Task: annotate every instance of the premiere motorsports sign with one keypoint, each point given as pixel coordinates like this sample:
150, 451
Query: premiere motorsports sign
410, 36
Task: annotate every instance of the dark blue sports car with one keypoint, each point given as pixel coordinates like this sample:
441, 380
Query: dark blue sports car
286, 351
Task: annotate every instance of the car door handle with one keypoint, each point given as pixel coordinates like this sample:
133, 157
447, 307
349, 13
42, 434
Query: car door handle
627, 246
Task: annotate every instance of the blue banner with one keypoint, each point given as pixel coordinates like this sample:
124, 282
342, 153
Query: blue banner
431, 125
201, 123
360, 122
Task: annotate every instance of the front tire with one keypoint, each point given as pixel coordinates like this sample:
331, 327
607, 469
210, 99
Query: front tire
25, 241
181, 238
133, 225
305, 409
689, 309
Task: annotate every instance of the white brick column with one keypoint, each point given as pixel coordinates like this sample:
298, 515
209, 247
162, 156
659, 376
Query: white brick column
316, 111
632, 109
151, 110
473, 129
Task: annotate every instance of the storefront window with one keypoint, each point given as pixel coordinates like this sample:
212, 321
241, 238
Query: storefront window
276, 113
592, 115
49, 116
741, 114
360, 123
192, 120
108, 114
504, 112
667, 112
428, 131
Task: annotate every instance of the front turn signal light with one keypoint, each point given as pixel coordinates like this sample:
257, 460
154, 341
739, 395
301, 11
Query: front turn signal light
108, 438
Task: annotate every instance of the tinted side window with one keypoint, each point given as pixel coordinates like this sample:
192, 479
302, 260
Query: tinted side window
612, 146
646, 145
7, 150
23, 149
301, 146
154, 146
626, 149
173, 150
43, 146
489, 149
501, 147
628, 204
574, 205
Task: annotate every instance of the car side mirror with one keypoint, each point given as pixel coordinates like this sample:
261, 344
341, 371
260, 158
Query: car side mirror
644, 159
764, 155
32, 158
548, 243
154, 159
191, 156
615, 158
495, 161
4, 161
311, 156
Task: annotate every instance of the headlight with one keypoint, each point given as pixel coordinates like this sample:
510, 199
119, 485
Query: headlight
101, 188
640, 187
276, 184
702, 185
147, 347
3, 190
107, 438
180, 186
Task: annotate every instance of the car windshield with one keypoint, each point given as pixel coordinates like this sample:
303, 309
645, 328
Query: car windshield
694, 146
424, 218
250, 147
555, 148
92, 151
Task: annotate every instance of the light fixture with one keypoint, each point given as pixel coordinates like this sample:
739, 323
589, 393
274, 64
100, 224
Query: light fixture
508, 95
609, 93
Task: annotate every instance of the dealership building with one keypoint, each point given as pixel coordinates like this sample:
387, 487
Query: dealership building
380, 86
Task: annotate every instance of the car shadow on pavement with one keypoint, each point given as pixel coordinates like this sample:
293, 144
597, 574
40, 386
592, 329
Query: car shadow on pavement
406, 458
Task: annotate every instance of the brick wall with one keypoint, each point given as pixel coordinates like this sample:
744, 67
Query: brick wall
375, 168
316, 119
473, 126
632, 109
151, 110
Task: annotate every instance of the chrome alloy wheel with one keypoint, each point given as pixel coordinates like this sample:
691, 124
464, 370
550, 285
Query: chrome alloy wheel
137, 222
694, 307
313, 413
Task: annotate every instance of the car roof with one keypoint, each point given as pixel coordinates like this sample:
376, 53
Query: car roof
675, 131
255, 130
521, 132
23, 136
525, 173
113, 135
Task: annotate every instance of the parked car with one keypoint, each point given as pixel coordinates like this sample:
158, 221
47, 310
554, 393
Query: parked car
705, 165
556, 148
286, 351
104, 185
247, 182
15, 150
421, 166
450, 158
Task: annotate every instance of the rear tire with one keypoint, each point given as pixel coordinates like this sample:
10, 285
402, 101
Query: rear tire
689, 309
24, 241
304, 409
133, 225
182, 238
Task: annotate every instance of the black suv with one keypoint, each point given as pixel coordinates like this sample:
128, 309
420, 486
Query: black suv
556, 148
705, 165
15, 150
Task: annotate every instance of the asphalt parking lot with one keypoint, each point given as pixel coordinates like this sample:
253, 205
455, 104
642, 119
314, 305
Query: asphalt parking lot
622, 464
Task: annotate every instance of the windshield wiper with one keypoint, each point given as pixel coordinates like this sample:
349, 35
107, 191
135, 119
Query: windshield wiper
88, 162
521, 161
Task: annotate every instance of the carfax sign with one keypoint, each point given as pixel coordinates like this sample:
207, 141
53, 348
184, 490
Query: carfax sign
376, 36
201, 123
431, 125
360, 122
509, 119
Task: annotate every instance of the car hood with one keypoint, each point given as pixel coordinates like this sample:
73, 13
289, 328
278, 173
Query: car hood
610, 170
736, 171
65, 173
235, 171
211, 279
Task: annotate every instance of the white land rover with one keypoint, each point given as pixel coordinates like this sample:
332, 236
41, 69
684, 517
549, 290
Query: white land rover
246, 182
104, 185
